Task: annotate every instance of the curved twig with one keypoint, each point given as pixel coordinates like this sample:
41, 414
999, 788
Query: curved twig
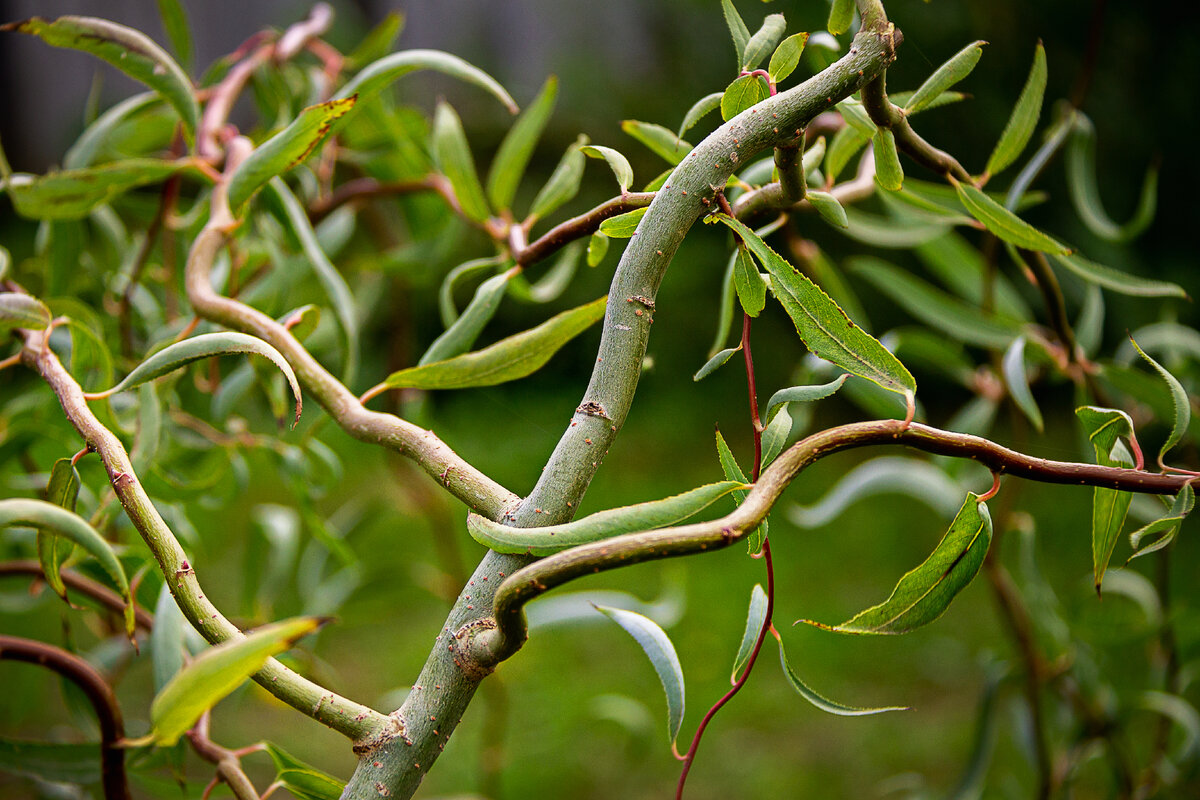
85, 586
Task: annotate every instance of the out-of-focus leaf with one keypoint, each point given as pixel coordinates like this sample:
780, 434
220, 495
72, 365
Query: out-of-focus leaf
61, 490
661, 141
658, 648
304, 781
699, 110
1104, 427
924, 593
88, 348
75, 193
460, 336
954, 70
175, 23
842, 148
737, 28
820, 701
880, 231
622, 226
828, 207
1085, 195
1182, 713
550, 539
1167, 525
453, 156
166, 639
804, 394
1023, 120
378, 42
823, 326
888, 171
841, 15
54, 762
887, 474
755, 618
597, 248
1179, 400
960, 267
1089, 328
1117, 281
1005, 224
786, 57
128, 50
216, 672
563, 183
715, 363
507, 360
22, 311
747, 280
1171, 340
617, 162
446, 293
764, 41
733, 472
1018, 383
746, 91
515, 151
856, 116
89, 144
551, 285
285, 150
943, 99
180, 354
303, 321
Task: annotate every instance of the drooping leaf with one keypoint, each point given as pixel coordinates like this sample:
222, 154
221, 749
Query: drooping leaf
880, 231
786, 57
924, 593
55, 762
1085, 194
699, 110
1117, 281
820, 701
551, 285
304, 781
828, 207
888, 171
1005, 224
508, 166
206, 345
74, 193
597, 248
1179, 400
464, 270
737, 28
128, 50
661, 141
715, 363
1018, 383
62, 490
961, 268
764, 41
507, 360
886, 474
216, 672
1167, 525
19, 310
622, 226
453, 156
845, 144
617, 162
661, 652
823, 326
1104, 427
166, 639
543, 541
805, 394
841, 16
563, 183
747, 280
954, 70
755, 618
285, 150
775, 435
460, 336
1023, 120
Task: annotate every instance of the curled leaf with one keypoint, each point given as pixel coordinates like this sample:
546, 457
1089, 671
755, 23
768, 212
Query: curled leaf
755, 618
617, 162
1085, 195
1024, 117
19, 310
1018, 382
820, 701
661, 652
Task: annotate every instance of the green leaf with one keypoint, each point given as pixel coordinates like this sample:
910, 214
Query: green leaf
733, 472
954, 70
1013, 367
89, 144
1168, 524
52, 761
919, 480
820, 701
961, 268
1177, 709
786, 57
1023, 120
550, 539
617, 162
743, 93
828, 207
775, 435
302, 322
378, 42
701, 109
515, 151
715, 363
856, 116
453, 156
824, 327
1117, 281
804, 394
622, 226
924, 593
841, 16
661, 141
1085, 194
506, 360
597, 248
755, 618
1104, 427
551, 285
304, 781
216, 672
658, 648
175, 23
1179, 401
75, 193
563, 183
888, 171
845, 144
751, 289
19, 310
327, 274
764, 41
737, 28
285, 150
180, 354
464, 270
61, 490
128, 50
460, 336
1005, 224
167, 648
50, 517
890, 232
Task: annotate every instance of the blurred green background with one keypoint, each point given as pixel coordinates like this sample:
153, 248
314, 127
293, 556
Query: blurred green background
579, 711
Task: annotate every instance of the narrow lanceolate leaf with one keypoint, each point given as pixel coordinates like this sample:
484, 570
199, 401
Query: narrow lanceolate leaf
737, 28
828, 207
54, 518
506, 360
453, 156
515, 151
856, 116
61, 490
823, 326
1179, 401
958, 67
597, 248
22, 311
460, 336
820, 701
775, 435
733, 472
544, 541
919, 480
175, 23
787, 56
1105, 427
1117, 281
285, 150
841, 15
699, 110
747, 280
563, 183
166, 639
715, 363
51, 761
556, 279
1167, 525
845, 144
75, 193
660, 140
1005, 224
1024, 117
622, 226
304, 781
128, 50
377, 43
924, 594
464, 270
764, 41
206, 345
658, 648
754, 623
618, 163
215, 673
1018, 383
1085, 194
888, 171
805, 394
